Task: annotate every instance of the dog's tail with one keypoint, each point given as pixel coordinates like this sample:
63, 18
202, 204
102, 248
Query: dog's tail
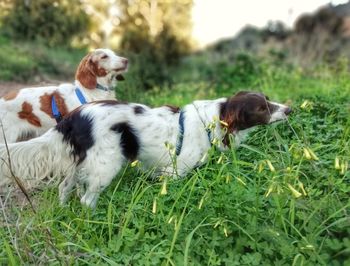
45, 158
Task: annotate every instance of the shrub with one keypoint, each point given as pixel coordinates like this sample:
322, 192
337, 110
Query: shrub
153, 58
54, 22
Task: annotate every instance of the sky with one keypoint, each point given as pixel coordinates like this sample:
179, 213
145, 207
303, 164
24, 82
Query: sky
217, 19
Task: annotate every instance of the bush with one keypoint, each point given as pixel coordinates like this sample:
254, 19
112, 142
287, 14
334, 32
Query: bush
239, 71
54, 22
153, 58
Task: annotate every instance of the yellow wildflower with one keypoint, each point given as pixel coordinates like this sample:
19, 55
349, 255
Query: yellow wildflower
223, 123
336, 163
154, 207
134, 163
295, 193
307, 153
301, 186
241, 181
313, 155
201, 203
272, 169
164, 190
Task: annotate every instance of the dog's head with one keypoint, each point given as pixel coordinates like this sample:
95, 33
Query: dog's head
248, 109
99, 64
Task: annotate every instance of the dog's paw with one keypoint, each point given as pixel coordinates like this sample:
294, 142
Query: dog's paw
89, 199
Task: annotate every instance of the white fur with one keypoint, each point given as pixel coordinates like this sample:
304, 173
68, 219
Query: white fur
34, 160
156, 129
279, 114
14, 127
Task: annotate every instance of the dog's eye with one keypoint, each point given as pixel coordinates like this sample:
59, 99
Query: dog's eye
104, 57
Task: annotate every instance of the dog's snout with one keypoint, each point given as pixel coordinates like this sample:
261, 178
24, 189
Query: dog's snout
288, 110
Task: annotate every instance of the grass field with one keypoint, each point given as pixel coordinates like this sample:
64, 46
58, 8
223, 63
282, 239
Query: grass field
28, 62
282, 198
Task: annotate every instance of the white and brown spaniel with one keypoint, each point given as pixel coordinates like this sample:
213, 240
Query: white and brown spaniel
91, 144
30, 112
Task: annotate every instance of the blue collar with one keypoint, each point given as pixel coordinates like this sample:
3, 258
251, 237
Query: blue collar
56, 112
80, 96
100, 87
180, 136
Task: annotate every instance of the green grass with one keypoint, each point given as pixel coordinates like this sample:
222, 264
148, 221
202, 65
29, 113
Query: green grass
234, 210
26, 62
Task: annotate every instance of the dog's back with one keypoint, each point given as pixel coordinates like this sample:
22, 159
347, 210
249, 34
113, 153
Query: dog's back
27, 113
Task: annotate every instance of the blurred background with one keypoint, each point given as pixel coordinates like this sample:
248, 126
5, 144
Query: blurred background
224, 43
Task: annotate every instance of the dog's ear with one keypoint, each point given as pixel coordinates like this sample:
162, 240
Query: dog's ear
95, 66
229, 115
120, 77
85, 73
232, 113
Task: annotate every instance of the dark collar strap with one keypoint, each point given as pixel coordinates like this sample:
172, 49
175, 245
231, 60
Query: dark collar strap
209, 135
180, 136
100, 87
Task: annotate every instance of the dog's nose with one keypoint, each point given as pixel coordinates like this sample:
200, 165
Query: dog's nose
288, 110
125, 61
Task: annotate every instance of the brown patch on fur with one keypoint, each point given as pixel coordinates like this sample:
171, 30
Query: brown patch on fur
10, 95
27, 114
46, 107
88, 71
172, 108
245, 110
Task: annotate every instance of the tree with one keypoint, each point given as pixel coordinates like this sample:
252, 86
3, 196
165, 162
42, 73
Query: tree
158, 32
50, 21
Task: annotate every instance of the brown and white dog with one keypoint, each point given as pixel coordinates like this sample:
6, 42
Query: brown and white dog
94, 141
27, 113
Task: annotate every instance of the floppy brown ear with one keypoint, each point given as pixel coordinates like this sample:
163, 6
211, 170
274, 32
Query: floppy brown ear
229, 116
120, 77
85, 73
230, 113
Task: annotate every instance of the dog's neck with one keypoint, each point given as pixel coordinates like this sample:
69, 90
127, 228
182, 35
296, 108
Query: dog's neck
209, 117
206, 117
99, 93
109, 82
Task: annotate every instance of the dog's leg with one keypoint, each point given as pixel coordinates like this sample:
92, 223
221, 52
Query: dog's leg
168, 171
66, 188
99, 177
95, 187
